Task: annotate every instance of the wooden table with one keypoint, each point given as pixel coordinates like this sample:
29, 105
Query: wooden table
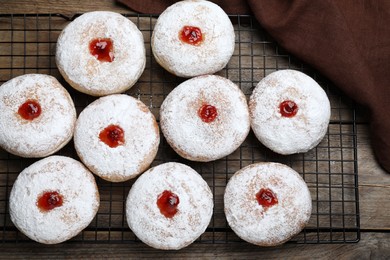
374, 194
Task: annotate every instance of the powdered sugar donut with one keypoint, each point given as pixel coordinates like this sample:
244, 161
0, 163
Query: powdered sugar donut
205, 118
267, 203
53, 199
101, 53
169, 206
193, 38
37, 115
116, 137
289, 111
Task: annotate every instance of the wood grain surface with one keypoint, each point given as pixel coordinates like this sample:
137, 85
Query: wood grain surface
372, 246
374, 194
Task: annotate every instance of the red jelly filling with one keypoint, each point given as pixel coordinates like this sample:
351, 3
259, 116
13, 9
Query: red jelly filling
266, 198
49, 200
167, 203
191, 35
29, 110
112, 135
208, 113
288, 108
102, 49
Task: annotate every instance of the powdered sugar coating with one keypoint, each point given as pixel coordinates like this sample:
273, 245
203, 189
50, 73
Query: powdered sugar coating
194, 139
86, 73
286, 135
194, 209
186, 60
70, 179
273, 225
45, 134
141, 136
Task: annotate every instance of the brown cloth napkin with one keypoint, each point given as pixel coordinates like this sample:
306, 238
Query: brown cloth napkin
348, 41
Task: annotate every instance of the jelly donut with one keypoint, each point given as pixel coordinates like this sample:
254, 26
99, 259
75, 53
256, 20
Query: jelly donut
205, 118
101, 53
116, 137
193, 38
169, 206
37, 115
53, 199
289, 112
267, 203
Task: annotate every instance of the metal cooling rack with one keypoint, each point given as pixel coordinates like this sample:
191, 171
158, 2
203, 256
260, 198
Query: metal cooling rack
27, 45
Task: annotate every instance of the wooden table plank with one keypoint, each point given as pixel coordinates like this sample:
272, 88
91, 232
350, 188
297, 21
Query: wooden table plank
374, 186
372, 246
59, 6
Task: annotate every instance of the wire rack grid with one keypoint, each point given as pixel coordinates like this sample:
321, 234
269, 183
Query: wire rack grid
27, 45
